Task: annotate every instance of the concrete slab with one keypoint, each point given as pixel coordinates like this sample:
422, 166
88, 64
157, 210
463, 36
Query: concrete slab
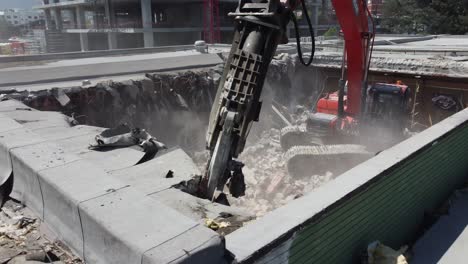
37, 125
77, 144
8, 124
37, 119
54, 133
447, 240
75, 83
98, 215
114, 159
77, 139
198, 209
12, 105
133, 225
150, 177
89, 129
9, 140
442, 41
199, 245
43, 155
64, 188
27, 162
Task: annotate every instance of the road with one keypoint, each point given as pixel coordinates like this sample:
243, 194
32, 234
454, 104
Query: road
83, 69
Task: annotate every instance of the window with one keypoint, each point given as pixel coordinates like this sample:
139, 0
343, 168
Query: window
29, 17
16, 22
15, 16
35, 17
8, 16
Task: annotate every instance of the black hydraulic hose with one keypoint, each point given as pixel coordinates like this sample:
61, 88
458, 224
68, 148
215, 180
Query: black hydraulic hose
298, 39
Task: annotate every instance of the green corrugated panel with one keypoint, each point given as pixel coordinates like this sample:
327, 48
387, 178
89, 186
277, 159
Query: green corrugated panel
390, 210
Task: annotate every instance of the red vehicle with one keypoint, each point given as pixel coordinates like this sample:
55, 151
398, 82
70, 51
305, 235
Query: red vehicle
17, 46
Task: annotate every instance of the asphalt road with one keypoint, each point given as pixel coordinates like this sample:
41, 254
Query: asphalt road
98, 67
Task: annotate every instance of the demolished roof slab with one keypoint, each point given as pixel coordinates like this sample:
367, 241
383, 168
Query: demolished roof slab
88, 208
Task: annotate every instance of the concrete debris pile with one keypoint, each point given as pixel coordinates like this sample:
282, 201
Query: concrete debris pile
269, 185
22, 242
437, 65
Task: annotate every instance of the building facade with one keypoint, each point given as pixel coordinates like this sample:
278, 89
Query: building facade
74, 25
19, 17
120, 24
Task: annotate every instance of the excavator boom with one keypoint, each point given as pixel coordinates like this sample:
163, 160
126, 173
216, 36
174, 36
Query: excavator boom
354, 18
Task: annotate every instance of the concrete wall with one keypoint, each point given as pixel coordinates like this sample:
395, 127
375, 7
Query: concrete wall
383, 199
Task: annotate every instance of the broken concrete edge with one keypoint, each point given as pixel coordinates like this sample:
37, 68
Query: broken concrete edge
427, 75
97, 216
334, 62
388, 63
85, 77
278, 228
400, 39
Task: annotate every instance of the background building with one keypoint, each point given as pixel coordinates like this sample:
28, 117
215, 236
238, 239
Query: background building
117, 24
19, 17
74, 25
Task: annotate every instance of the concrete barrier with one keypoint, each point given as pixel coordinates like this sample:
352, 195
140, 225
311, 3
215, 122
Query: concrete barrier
102, 218
382, 199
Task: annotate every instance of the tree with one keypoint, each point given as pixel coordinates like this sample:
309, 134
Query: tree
426, 16
404, 16
450, 17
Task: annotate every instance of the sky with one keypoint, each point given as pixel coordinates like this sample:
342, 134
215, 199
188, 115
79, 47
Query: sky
26, 4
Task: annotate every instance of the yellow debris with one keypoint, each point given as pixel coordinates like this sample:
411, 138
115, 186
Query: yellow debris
214, 225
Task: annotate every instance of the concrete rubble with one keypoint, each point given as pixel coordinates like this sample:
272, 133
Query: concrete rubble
22, 241
269, 185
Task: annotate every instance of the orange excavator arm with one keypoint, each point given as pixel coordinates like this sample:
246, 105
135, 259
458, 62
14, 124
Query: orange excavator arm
354, 19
